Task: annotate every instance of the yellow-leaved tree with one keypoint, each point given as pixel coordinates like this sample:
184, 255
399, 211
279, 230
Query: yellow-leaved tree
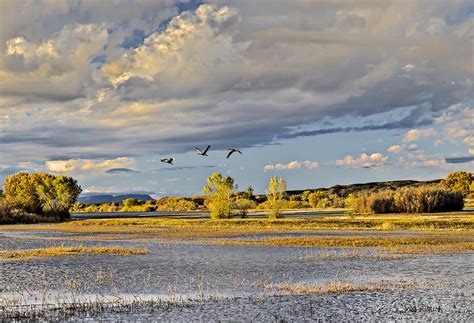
218, 193
276, 196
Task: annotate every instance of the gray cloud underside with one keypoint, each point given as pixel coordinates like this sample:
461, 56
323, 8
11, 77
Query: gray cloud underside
121, 171
239, 75
460, 160
415, 119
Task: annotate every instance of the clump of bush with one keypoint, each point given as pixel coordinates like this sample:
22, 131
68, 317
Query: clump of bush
324, 200
421, 199
176, 205
243, 205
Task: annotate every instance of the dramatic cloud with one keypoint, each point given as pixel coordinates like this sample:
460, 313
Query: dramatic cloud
364, 160
291, 165
91, 81
87, 165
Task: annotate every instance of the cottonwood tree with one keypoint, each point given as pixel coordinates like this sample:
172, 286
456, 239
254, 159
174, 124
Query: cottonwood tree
276, 196
41, 193
218, 193
458, 182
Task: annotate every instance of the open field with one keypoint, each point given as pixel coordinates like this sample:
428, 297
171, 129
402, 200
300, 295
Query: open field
392, 266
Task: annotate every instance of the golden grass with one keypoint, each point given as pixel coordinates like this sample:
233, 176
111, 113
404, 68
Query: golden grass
453, 231
348, 241
59, 251
336, 286
451, 248
231, 227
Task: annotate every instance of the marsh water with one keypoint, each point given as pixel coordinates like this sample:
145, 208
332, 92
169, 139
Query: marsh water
221, 282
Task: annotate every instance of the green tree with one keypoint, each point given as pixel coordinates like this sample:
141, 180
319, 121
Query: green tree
276, 196
218, 193
458, 182
67, 191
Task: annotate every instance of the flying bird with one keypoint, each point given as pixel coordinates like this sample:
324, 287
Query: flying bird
233, 150
168, 160
202, 152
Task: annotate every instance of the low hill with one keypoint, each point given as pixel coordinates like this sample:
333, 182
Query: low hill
108, 198
345, 190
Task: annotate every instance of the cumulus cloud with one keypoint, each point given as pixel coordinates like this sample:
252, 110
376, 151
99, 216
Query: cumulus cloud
434, 162
415, 134
232, 73
364, 160
469, 141
186, 47
291, 165
438, 143
87, 165
56, 68
395, 149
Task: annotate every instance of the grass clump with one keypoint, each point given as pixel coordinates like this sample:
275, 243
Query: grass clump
416, 244
336, 286
59, 251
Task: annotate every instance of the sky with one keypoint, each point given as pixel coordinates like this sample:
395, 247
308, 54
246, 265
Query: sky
316, 92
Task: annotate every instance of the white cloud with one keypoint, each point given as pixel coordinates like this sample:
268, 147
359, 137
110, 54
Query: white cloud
55, 67
185, 48
456, 133
415, 134
243, 73
395, 149
471, 151
364, 160
101, 189
438, 143
434, 162
86, 165
291, 165
469, 141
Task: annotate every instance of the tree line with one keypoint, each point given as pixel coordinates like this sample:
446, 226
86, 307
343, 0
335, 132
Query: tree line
43, 197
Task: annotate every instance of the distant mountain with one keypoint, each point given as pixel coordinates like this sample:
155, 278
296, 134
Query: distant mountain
109, 198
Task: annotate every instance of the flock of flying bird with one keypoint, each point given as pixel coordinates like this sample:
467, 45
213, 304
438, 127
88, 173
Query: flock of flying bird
169, 160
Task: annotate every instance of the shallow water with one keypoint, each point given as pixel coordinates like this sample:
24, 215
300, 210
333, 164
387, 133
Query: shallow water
236, 275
